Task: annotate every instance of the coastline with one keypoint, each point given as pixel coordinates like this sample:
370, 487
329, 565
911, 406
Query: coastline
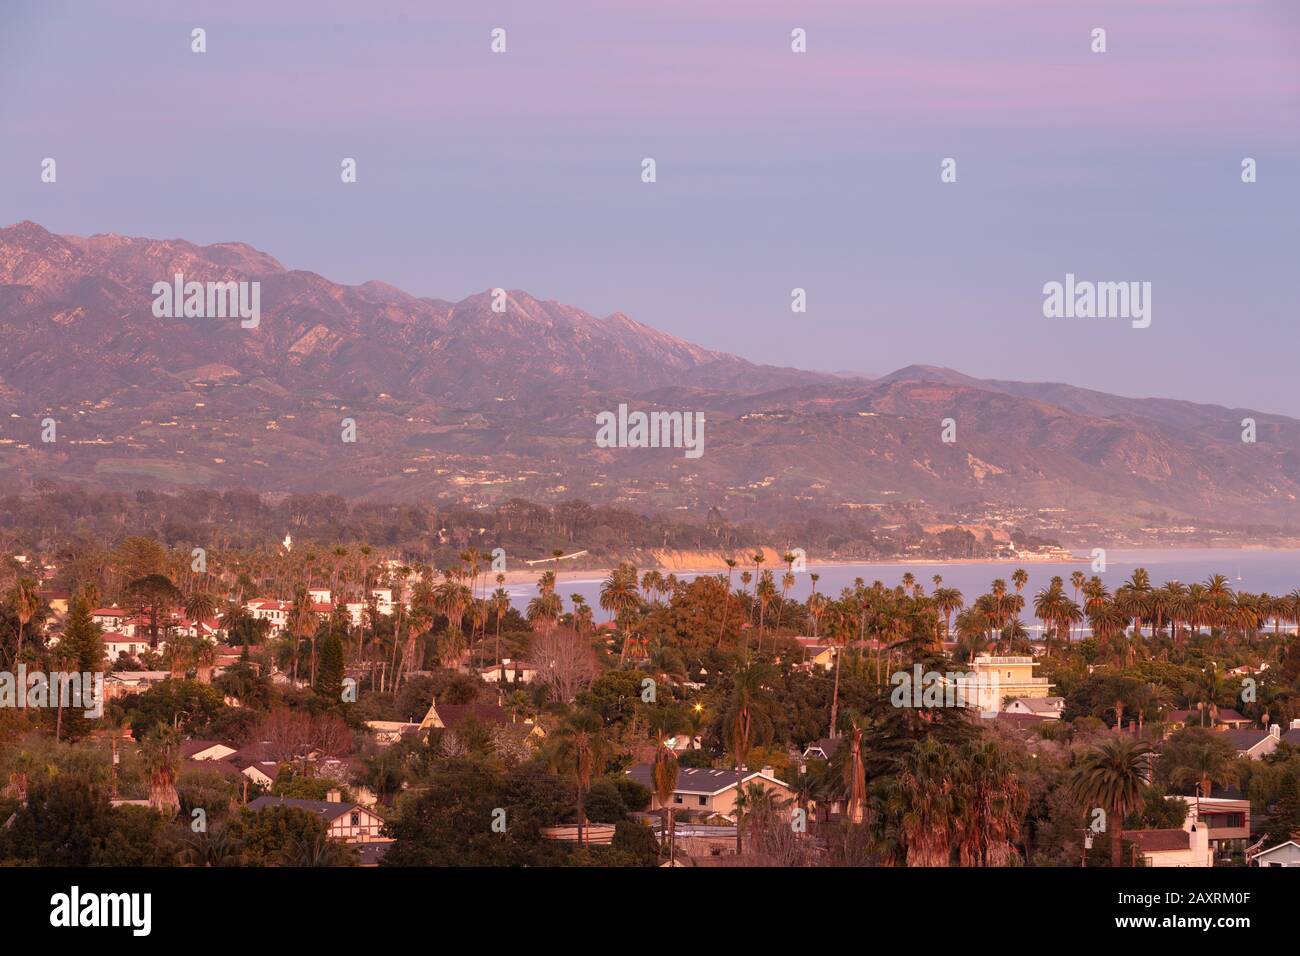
695, 568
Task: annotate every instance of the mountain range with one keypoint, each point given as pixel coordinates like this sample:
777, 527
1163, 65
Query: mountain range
458, 401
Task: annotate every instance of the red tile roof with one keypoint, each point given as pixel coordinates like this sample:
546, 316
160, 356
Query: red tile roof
1154, 841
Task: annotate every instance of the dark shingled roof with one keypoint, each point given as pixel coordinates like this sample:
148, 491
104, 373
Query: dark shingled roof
223, 767
257, 753
827, 745
1245, 739
1194, 717
453, 715
191, 747
693, 779
325, 809
1020, 720
371, 853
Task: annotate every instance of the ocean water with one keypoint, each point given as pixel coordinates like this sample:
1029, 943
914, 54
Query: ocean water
1274, 572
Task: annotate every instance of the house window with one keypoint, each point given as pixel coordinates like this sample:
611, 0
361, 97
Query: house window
704, 801
356, 819
677, 798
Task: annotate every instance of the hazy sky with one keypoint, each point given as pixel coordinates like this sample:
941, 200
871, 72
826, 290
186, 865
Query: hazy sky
775, 169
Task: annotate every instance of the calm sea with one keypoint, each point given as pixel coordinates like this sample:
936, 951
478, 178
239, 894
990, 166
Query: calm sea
1274, 572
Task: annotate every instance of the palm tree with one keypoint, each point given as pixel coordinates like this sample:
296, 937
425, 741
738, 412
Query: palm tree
665, 784
26, 599
544, 611
1077, 580
236, 617
64, 660
619, 596
213, 847
204, 657
580, 749
998, 593
1113, 776
451, 598
816, 608
990, 805
946, 601
972, 632
1208, 765
200, 607
746, 721
841, 627
1019, 577
652, 583
755, 804
160, 750
766, 591
1068, 614
1173, 597
922, 799
787, 582
500, 604
178, 652
302, 623
855, 777
726, 606
1210, 688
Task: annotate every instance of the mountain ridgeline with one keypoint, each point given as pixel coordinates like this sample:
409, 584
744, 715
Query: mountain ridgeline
454, 400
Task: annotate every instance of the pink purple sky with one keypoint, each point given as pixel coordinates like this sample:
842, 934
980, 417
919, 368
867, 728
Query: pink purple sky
775, 170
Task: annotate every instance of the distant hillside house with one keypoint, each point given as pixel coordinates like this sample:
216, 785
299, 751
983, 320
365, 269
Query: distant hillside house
1292, 736
258, 763
110, 618
709, 792
122, 683
1188, 846
1284, 854
348, 822
383, 598
58, 602
275, 613
514, 671
1224, 719
389, 732
1226, 820
995, 678
823, 749
116, 646
453, 716
1255, 744
206, 750
1049, 707
819, 655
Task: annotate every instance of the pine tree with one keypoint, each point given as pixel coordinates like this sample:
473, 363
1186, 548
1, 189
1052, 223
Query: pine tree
329, 671
80, 649
82, 640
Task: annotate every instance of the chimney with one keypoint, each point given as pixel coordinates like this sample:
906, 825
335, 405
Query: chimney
1275, 731
333, 796
1295, 723
1199, 841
